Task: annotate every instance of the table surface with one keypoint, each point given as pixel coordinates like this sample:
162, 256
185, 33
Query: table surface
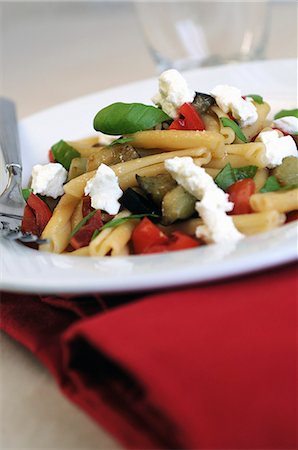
50, 53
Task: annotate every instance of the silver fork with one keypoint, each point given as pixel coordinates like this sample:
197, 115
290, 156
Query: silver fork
12, 203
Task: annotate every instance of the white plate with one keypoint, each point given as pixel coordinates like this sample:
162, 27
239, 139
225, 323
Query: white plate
23, 269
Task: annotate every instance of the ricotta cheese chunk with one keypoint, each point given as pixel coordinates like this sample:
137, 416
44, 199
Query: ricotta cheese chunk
213, 202
288, 124
104, 190
48, 179
173, 92
229, 99
276, 148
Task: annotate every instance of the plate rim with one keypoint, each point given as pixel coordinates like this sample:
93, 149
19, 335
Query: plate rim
226, 273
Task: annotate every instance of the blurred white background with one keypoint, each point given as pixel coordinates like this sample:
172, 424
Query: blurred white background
53, 52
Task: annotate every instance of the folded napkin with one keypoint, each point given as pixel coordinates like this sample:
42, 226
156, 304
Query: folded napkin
209, 367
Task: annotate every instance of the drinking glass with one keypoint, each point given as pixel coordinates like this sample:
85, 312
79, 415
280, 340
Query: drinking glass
188, 34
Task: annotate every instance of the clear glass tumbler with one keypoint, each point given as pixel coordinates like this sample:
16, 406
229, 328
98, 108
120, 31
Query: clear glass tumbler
187, 34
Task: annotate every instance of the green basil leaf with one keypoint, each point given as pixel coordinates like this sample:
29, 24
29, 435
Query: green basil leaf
245, 172
122, 140
116, 222
286, 113
226, 177
271, 185
82, 222
127, 118
256, 98
26, 192
64, 153
230, 123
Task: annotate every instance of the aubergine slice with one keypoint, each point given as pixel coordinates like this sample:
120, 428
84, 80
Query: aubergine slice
77, 167
137, 203
111, 155
202, 102
287, 172
156, 187
177, 204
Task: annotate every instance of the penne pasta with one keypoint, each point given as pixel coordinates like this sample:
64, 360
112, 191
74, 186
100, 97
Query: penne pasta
58, 228
248, 224
170, 140
115, 243
166, 177
260, 178
284, 201
227, 132
253, 152
77, 185
251, 131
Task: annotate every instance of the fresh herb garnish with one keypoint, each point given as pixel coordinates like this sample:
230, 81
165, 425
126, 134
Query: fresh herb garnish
26, 193
127, 118
228, 175
272, 184
256, 98
82, 222
245, 172
64, 153
121, 140
286, 113
237, 130
116, 222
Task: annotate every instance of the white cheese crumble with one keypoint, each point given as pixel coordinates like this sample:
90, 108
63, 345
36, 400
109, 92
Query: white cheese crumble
48, 179
213, 202
288, 124
173, 92
276, 148
106, 139
104, 190
229, 99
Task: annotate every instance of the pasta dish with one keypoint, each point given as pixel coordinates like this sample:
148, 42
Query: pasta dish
190, 170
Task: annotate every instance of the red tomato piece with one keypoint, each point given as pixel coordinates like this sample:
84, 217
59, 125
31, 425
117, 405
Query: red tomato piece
41, 212
147, 238
86, 205
292, 216
145, 235
29, 224
239, 194
181, 241
189, 119
177, 241
83, 236
51, 156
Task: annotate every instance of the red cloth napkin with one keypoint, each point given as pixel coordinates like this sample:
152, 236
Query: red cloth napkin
209, 367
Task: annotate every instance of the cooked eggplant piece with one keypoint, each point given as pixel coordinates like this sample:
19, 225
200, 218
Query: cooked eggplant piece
77, 167
202, 102
177, 204
111, 155
287, 172
156, 187
295, 137
137, 203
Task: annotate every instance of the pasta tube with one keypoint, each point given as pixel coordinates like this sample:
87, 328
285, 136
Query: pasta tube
115, 242
248, 224
77, 185
58, 228
284, 201
253, 152
179, 139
